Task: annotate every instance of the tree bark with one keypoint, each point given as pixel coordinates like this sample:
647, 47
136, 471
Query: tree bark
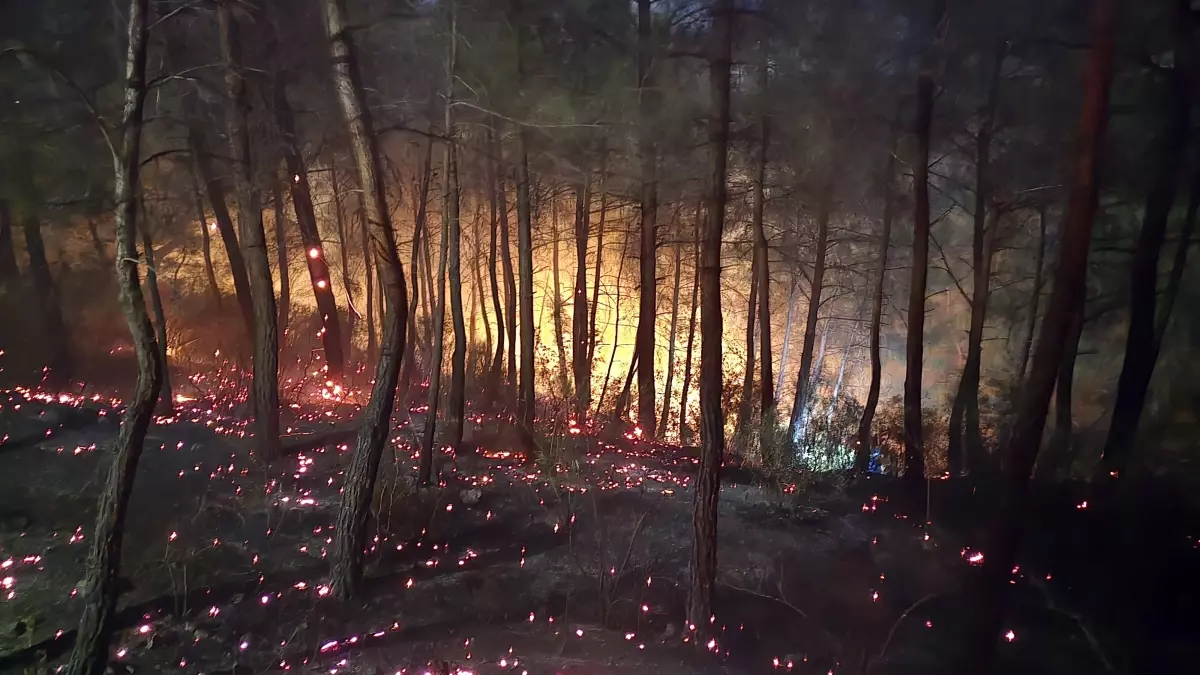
8, 256
510, 282
787, 336
666, 406
99, 588
1035, 297
339, 220
265, 388
1141, 345
712, 422
166, 399
862, 455
437, 347
351, 528
526, 402
1065, 300
458, 366
593, 336
369, 302
496, 368
216, 197
556, 304
54, 329
803, 391
966, 399
767, 400
285, 271
746, 407
420, 242
685, 432
648, 152
616, 326
1059, 452
579, 315
306, 221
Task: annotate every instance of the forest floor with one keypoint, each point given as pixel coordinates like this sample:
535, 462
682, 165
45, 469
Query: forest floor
505, 567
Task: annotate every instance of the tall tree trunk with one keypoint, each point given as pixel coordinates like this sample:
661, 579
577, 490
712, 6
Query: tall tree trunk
339, 220
966, 399
746, 407
914, 440
1141, 346
1059, 453
369, 303
285, 270
494, 371
8, 256
458, 366
1179, 264
803, 391
622, 407
438, 328
1065, 300
510, 282
216, 197
593, 336
557, 304
526, 400
54, 329
837, 386
350, 534
648, 152
862, 455
99, 588
787, 335
477, 298
685, 432
761, 263
579, 316
1035, 297
306, 221
420, 242
265, 388
166, 398
206, 244
666, 406
712, 420
616, 326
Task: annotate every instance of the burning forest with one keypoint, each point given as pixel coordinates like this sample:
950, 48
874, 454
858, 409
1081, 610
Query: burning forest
680, 336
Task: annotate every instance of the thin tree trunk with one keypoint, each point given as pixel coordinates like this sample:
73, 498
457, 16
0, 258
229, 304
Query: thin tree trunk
685, 432
787, 336
166, 398
1058, 453
666, 406
510, 282
767, 394
97, 245
206, 250
54, 329
477, 299
593, 336
8, 256
306, 222
966, 400
746, 407
438, 328
1066, 299
420, 242
837, 386
866, 444
1180, 263
803, 392
622, 407
1141, 344
616, 326
494, 371
712, 420
285, 270
458, 367
648, 152
369, 303
99, 588
556, 305
340, 223
579, 316
350, 532
1035, 297
526, 400
216, 197
265, 388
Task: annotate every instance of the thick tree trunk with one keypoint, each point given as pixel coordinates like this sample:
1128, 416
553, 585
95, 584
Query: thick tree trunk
712, 422
746, 406
456, 411
350, 533
206, 244
8, 256
648, 152
285, 269
216, 197
265, 388
866, 444
666, 406
803, 390
685, 432
579, 316
1141, 345
556, 304
525, 401
420, 242
1035, 297
966, 399
306, 221
99, 588
1065, 300
166, 398
54, 329
497, 365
